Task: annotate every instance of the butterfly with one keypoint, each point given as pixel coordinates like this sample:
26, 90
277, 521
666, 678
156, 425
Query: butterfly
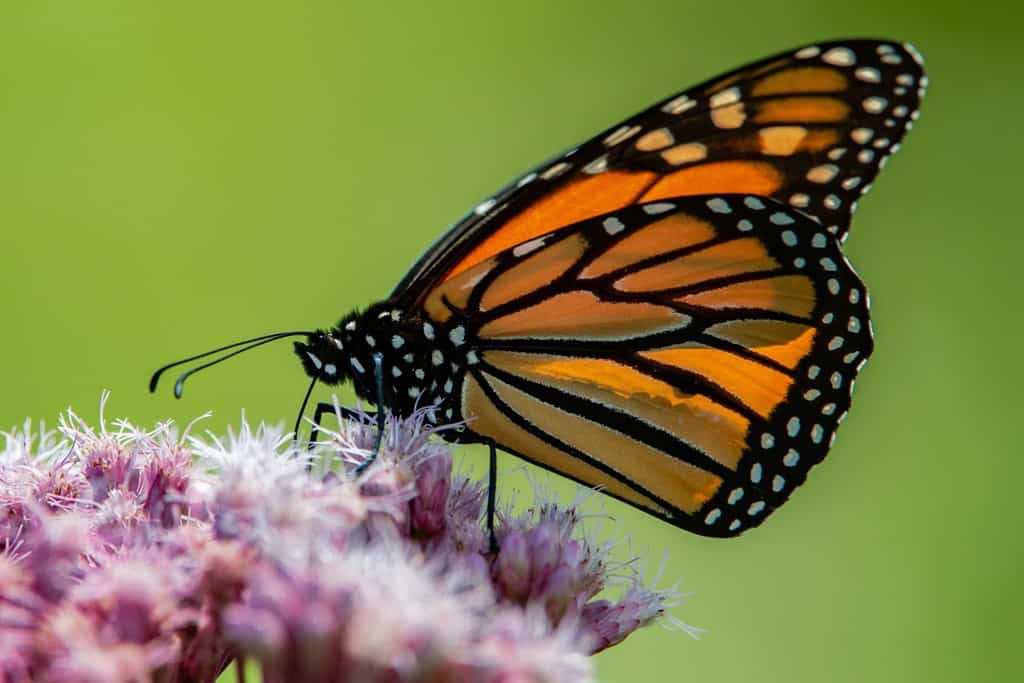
664, 311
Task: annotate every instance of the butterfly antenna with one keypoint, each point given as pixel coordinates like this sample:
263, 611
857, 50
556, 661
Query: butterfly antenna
246, 343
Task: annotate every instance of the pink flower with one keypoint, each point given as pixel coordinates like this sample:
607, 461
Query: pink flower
429, 513
107, 465
144, 555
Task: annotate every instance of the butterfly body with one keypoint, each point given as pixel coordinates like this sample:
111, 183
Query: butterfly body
664, 311
422, 360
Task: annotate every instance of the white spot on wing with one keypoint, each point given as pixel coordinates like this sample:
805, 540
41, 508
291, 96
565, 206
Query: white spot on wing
526, 179
727, 96
817, 433
555, 171
678, 105
719, 205
874, 104
840, 56
861, 135
620, 134
661, 207
914, 54
526, 247
868, 74
598, 165
484, 207
799, 200
823, 173
613, 225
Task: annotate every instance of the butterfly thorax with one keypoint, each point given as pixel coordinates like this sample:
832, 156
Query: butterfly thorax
421, 364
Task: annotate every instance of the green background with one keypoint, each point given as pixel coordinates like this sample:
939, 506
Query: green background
177, 175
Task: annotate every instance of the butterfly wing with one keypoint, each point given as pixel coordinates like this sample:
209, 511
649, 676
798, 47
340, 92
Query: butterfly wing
693, 357
810, 128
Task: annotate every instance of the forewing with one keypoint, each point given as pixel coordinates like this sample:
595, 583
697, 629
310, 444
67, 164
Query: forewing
810, 128
692, 356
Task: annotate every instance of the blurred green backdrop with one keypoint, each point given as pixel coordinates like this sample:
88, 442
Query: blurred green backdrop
180, 175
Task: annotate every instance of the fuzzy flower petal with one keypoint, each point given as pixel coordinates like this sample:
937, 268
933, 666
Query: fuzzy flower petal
129, 554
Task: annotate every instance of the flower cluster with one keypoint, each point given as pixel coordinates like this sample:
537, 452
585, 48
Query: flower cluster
130, 555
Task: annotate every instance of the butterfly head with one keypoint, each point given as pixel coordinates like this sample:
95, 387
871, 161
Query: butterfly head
325, 355
347, 350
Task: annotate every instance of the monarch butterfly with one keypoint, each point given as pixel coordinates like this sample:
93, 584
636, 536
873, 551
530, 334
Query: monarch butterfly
663, 311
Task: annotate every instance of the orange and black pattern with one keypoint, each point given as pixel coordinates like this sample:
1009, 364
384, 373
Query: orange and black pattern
664, 311
810, 128
692, 357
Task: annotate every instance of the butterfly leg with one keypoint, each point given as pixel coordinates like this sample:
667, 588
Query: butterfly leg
378, 383
352, 414
492, 487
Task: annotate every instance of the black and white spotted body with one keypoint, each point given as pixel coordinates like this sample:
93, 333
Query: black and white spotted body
422, 363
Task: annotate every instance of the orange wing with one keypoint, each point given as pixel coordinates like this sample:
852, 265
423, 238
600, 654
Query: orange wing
810, 128
693, 357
